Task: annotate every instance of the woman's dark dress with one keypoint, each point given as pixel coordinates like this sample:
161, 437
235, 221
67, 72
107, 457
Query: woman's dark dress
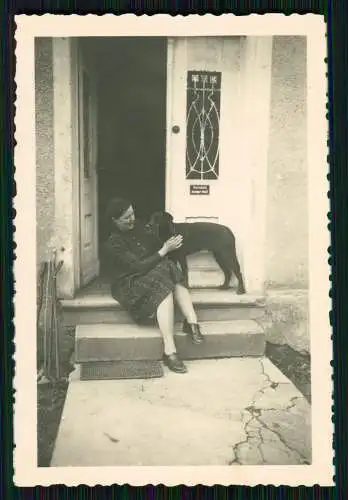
141, 278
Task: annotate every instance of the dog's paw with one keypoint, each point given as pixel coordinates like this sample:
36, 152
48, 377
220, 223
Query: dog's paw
224, 287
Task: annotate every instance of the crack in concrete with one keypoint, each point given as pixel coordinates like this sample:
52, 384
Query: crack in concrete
266, 384
254, 437
292, 403
282, 440
237, 460
248, 409
272, 384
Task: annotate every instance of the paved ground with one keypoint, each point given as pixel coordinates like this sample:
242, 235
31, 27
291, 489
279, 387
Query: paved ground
229, 411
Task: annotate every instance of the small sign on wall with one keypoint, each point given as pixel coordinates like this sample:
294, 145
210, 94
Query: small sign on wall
196, 189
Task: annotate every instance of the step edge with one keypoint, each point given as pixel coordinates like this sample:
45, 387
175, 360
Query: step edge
258, 354
226, 353
73, 304
156, 336
236, 323
178, 324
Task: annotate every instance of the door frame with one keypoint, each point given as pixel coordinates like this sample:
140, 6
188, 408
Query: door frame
256, 55
169, 121
66, 160
257, 113
257, 60
76, 161
76, 71
84, 69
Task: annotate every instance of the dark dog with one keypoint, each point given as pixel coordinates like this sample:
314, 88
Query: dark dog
198, 236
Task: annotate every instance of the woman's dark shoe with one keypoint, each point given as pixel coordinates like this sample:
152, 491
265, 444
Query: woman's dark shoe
193, 329
174, 363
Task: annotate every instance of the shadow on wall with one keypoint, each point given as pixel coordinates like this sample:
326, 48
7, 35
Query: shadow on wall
286, 319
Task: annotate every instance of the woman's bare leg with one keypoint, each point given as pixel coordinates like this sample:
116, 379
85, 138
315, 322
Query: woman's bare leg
183, 298
165, 318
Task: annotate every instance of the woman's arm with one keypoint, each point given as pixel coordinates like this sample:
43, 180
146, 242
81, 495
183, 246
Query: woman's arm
128, 260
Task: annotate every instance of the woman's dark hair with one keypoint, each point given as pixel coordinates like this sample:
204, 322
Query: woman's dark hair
116, 207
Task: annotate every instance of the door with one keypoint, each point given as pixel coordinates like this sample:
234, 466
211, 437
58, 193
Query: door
206, 180
89, 263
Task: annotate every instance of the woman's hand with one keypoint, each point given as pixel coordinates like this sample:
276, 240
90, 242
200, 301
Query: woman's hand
170, 245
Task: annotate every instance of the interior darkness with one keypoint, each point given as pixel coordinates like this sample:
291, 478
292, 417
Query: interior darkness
131, 96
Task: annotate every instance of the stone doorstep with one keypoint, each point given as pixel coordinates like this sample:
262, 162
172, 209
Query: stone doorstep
113, 342
116, 315
210, 304
201, 277
200, 298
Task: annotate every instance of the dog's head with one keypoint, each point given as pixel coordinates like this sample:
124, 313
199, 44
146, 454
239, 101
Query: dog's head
161, 223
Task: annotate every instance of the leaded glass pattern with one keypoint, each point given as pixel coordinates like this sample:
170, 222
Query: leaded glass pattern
202, 125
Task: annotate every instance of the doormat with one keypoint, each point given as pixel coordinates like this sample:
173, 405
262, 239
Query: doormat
115, 370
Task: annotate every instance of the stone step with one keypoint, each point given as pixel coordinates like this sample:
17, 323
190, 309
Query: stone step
211, 305
113, 342
207, 278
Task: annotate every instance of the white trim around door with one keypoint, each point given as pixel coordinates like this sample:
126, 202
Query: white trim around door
253, 115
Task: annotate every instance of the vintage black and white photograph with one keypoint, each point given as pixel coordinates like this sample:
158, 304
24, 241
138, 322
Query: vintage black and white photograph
177, 308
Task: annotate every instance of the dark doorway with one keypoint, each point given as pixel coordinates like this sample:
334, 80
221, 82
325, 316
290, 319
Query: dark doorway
131, 75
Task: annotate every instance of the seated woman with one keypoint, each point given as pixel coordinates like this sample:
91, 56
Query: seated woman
145, 281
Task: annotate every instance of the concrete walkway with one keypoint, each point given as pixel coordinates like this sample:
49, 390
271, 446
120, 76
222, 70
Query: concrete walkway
238, 411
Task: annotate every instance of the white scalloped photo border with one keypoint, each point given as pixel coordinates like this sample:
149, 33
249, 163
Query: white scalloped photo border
27, 473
